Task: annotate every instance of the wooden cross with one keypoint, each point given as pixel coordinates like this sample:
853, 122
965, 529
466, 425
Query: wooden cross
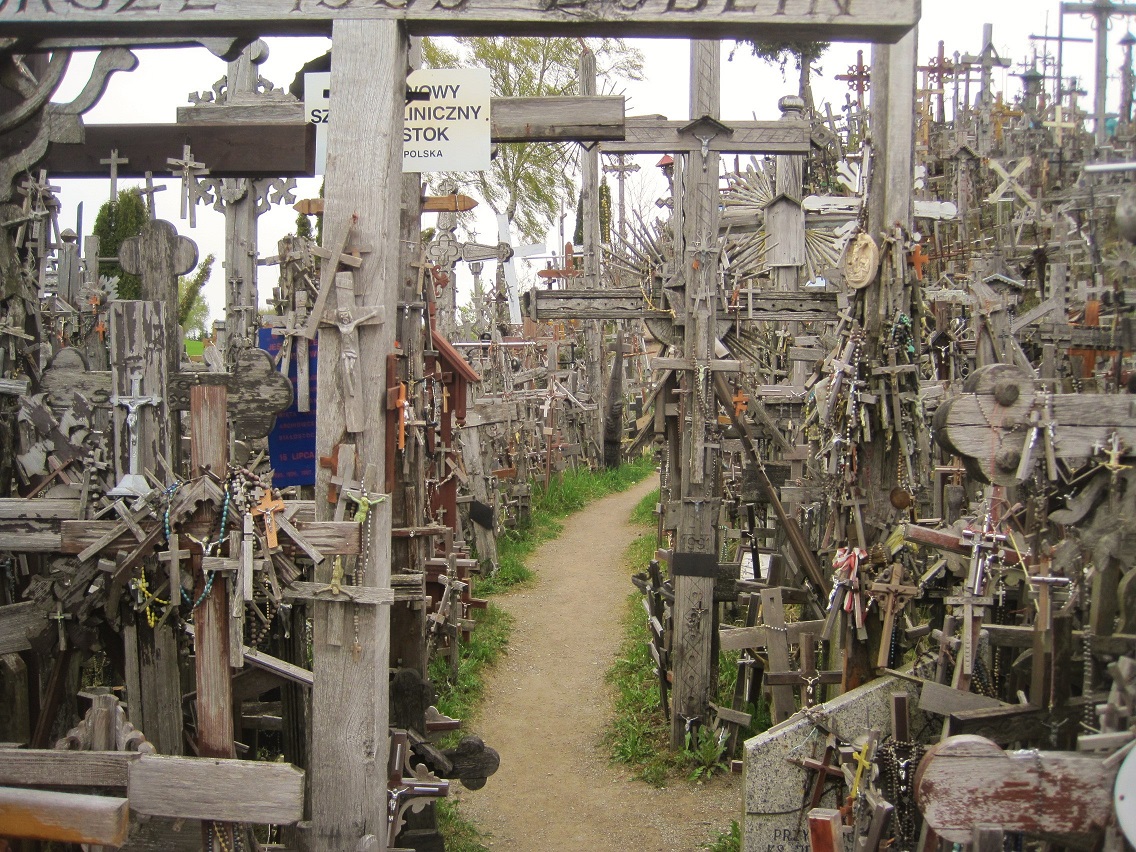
397, 401
59, 617
334, 254
825, 769
190, 191
918, 261
859, 78
267, 508
987, 59
1061, 122
892, 597
973, 603
570, 270
347, 318
741, 402
937, 69
114, 162
1010, 181
807, 677
173, 556
148, 194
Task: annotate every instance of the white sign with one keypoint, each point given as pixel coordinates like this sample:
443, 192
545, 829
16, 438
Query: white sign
317, 108
448, 132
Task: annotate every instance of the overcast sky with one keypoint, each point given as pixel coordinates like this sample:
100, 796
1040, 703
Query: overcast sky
164, 79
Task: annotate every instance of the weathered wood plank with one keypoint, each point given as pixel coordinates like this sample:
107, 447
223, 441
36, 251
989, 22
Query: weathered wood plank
17, 508
739, 638
581, 119
67, 817
801, 20
265, 150
54, 768
649, 135
329, 537
968, 781
16, 621
216, 789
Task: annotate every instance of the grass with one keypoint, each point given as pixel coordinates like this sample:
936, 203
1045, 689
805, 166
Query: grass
460, 696
727, 841
639, 735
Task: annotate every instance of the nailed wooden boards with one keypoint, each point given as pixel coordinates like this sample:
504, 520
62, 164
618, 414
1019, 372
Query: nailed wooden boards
830, 20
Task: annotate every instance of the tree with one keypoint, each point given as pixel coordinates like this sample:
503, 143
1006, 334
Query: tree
193, 310
780, 52
529, 183
118, 221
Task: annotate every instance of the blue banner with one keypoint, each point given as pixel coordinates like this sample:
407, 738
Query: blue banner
292, 441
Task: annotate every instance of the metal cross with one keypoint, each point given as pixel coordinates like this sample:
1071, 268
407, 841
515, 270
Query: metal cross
133, 483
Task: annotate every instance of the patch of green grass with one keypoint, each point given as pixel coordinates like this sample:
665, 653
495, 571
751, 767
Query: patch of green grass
461, 834
459, 696
727, 841
639, 736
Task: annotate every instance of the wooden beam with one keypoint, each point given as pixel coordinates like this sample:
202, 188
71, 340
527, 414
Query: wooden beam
215, 789
594, 118
793, 20
66, 817
48, 767
659, 136
228, 150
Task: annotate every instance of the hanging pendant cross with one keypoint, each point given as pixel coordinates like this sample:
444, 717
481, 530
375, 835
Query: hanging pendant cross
267, 508
190, 192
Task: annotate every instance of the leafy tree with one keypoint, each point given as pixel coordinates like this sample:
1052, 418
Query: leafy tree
529, 183
781, 52
118, 221
193, 310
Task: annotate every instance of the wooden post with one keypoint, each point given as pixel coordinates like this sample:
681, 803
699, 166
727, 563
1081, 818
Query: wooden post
209, 451
696, 543
348, 797
138, 351
593, 329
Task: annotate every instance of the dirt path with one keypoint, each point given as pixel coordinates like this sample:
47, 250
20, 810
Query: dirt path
547, 704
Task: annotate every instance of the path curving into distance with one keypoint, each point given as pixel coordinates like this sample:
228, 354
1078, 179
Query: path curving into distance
547, 704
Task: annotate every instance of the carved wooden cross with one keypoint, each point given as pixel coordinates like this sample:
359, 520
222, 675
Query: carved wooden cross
569, 270
892, 597
173, 556
190, 191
